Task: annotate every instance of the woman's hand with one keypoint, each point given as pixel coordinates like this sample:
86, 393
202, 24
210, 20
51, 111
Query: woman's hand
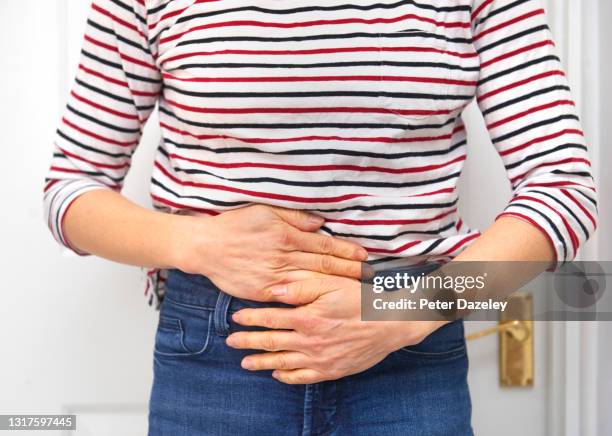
247, 250
324, 337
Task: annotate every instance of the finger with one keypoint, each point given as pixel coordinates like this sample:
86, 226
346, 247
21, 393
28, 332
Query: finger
322, 244
269, 317
298, 376
269, 340
306, 291
304, 221
326, 264
283, 360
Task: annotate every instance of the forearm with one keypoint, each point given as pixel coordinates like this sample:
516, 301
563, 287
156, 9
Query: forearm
105, 223
510, 239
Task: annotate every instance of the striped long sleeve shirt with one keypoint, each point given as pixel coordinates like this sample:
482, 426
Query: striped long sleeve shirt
350, 109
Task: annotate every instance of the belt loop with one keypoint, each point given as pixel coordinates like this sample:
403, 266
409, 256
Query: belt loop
220, 314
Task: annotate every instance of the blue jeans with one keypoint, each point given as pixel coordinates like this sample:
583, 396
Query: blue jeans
199, 387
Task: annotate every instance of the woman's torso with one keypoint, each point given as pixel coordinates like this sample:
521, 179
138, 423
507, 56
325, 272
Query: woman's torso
348, 109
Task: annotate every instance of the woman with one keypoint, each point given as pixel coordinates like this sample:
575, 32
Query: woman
298, 140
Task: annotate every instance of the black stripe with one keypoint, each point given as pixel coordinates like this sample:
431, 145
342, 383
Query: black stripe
104, 93
303, 94
389, 237
119, 67
519, 67
197, 197
130, 9
90, 148
564, 206
321, 184
544, 153
320, 152
499, 11
101, 123
330, 36
313, 9
586, 197
118, 37
332, 65
511, 38
534, 126
522, 98
429, 249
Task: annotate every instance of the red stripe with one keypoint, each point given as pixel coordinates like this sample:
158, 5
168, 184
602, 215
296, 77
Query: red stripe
541, 139
322, 79
121, 55
98, 137
461, 243
479, 9
318, 51
118, 20
308, 138
297, 110
520, 83
177, 12
529, 112
516, 52
559, 184
49, 184
582, 208
103, 108
321, 167
96, 164
258, 194
404, 247
390, 222
509, 23
447, 25
117, 82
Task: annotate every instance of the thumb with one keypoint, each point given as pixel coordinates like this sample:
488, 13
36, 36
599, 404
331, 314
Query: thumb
304, 221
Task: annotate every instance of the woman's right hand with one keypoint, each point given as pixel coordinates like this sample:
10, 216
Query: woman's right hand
246, 251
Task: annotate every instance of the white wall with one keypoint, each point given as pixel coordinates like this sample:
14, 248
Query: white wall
75, 333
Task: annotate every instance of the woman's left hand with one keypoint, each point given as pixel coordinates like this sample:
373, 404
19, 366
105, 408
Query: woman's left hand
323, 338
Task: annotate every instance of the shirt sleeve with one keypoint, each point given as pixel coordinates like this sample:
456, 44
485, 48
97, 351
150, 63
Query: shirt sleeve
115, 89
532, 120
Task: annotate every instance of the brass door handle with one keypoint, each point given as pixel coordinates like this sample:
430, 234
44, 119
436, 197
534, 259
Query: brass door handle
517, 329
516, 341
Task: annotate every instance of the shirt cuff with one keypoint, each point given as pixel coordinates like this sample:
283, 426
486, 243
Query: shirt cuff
58, 198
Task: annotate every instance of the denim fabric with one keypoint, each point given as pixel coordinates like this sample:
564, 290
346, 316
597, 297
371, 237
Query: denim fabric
200, 389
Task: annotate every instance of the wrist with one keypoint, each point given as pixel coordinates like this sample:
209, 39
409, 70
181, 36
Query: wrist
190, 241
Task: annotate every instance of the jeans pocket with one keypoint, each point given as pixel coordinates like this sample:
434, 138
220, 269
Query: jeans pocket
183, 331
446, 343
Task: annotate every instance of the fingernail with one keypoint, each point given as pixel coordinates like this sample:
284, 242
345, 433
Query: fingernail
247, 363
315, 219
361, 253
230, 341
236, 317
279, 291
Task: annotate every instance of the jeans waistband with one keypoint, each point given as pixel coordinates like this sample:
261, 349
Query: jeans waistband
199, 290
